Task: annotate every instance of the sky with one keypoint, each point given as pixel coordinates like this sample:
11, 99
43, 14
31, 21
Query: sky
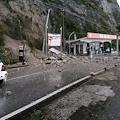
118, 2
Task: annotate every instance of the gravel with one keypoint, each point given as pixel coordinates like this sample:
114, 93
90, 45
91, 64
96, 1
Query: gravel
64, 107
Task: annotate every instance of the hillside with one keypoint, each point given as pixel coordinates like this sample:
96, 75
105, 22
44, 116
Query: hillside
22, 21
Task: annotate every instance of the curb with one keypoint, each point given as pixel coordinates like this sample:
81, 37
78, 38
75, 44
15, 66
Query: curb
10, 67
34, 103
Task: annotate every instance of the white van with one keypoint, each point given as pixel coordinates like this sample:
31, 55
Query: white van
3, 74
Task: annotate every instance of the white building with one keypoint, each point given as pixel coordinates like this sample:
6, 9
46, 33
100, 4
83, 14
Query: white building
94, 42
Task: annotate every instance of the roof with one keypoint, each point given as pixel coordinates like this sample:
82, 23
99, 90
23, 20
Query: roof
88, 40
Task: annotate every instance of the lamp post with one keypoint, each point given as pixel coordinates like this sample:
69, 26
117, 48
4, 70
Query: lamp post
69, 41
46, 27
117, 45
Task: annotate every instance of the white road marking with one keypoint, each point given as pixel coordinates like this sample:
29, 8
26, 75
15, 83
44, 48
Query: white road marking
26, 76
45, 97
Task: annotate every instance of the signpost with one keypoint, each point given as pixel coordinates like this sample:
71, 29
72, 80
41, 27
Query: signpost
21, 53
54, 39
117, 43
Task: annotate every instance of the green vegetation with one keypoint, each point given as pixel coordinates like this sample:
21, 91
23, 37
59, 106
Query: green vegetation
92, 4
36, 115
17, 26
118, 27
69, 25
88, 3
90, 24
53, 1
7, 0
6, 56
89, 27
82, 1
35, 43
109, 1
2, 32
105, 16
58, 20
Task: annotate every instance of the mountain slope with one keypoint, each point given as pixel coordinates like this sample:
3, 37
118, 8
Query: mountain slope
24, 20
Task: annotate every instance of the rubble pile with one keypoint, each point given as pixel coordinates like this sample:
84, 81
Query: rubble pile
57, 58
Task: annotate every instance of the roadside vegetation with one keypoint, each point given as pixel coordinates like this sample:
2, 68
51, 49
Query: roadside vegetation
38, 115
53, 1
6, 55
16, 27
118, 27
2, 32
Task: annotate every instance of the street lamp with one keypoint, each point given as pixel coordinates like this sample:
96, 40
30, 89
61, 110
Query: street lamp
69, 40
46, 27
117, 45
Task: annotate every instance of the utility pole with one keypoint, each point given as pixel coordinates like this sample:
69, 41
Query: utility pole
61, 38
63, 32
46, 27
20, 29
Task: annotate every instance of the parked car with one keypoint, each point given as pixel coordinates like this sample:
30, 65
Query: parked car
112, 51
3, 74
108, 50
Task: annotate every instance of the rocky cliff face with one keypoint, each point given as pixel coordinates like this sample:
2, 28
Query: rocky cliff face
93, 15
22, 21
25, 19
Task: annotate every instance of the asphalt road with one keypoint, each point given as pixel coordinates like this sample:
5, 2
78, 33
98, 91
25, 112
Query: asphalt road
21, 89
108, 110
27, 85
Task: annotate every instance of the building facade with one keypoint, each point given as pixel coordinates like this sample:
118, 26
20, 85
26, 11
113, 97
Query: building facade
92, 44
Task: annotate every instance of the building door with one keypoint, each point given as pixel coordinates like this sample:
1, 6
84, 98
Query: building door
81, 49
77, 49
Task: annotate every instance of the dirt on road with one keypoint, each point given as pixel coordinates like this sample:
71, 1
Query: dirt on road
27, 84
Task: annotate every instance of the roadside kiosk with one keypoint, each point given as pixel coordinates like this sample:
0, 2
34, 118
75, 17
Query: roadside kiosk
21, 54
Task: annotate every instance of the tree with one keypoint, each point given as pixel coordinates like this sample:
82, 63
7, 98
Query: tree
118, 27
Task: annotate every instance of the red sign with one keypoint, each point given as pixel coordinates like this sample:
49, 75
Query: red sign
21, 47
101, 36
